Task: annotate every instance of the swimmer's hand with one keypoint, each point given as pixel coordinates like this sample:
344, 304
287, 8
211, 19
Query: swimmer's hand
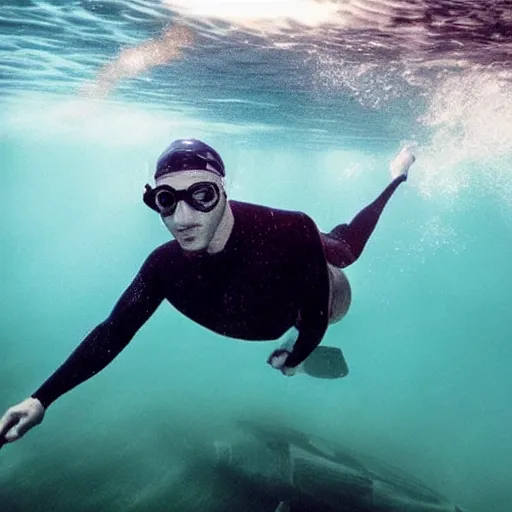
19, 419
278, 361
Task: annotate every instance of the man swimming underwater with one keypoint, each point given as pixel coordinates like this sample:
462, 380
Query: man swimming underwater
241, 270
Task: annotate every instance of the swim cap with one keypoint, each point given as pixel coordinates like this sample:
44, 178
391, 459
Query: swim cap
189, 154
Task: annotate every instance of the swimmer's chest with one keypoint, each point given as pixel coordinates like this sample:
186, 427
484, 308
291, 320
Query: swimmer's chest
238, 293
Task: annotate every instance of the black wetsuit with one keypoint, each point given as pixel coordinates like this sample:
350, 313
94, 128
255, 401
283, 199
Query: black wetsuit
270, 276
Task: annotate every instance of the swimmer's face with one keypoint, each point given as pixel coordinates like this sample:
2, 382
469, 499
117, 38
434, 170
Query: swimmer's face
192, 229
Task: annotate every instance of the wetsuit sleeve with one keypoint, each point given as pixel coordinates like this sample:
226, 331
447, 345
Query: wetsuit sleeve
314, 310
108, 339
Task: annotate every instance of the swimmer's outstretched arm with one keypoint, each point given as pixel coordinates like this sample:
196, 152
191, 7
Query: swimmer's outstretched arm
313, 318
96, 351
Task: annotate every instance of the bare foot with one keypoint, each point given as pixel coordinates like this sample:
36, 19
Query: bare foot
400, 165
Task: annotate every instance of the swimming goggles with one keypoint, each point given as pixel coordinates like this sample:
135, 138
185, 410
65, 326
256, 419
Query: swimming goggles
203, 196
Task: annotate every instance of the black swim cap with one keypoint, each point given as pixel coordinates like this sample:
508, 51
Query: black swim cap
189, 154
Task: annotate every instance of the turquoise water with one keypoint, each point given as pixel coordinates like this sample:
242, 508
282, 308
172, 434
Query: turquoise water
307, 117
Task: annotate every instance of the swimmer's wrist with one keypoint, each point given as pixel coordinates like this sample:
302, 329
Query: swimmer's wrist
292, 361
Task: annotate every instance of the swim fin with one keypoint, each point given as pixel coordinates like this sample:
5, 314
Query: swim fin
326, 363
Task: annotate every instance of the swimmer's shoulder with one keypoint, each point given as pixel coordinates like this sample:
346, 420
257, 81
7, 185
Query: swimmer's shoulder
268, 218
168, 252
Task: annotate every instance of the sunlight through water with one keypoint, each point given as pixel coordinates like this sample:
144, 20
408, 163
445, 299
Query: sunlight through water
307, 101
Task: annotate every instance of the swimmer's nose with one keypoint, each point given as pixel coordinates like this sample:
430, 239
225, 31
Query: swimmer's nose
183, 215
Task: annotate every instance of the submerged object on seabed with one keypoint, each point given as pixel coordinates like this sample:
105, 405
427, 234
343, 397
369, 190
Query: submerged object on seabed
307, 473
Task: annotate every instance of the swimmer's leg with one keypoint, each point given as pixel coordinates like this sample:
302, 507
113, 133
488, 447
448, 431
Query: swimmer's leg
345, 243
